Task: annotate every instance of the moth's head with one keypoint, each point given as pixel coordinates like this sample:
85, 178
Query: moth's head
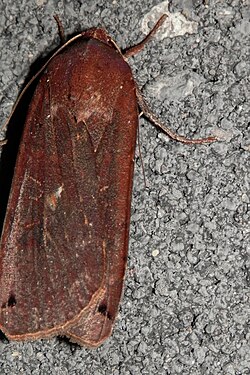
101, 35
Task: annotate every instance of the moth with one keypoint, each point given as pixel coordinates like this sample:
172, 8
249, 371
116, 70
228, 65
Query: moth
65, 236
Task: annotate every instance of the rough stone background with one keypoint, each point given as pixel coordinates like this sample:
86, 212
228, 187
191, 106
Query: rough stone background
186, 304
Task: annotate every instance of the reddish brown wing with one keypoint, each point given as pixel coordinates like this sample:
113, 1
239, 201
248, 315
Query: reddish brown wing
66, 228
115, 159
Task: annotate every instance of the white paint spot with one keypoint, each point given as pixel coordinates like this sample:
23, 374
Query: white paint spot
16, 354
244, 198
40, 2
175, 88
176, 24
223, 135
246, 147
155, 253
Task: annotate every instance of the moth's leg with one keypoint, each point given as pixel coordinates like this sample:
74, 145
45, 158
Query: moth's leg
154, 120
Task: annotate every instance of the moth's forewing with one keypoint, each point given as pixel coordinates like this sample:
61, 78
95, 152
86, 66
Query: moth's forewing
65, 237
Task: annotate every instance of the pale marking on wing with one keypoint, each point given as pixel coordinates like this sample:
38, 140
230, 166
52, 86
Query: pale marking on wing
35, 180
107, 115
86, 220
105, 187
53, 198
